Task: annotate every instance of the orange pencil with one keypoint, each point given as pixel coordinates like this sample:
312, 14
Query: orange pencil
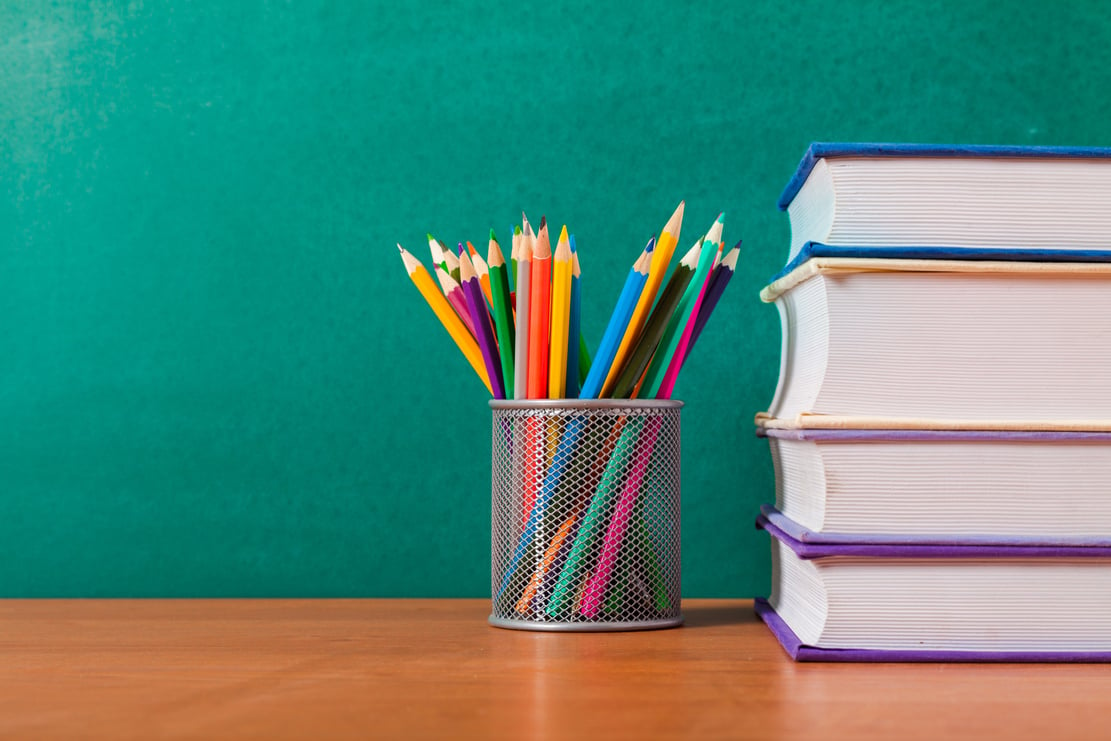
540, 312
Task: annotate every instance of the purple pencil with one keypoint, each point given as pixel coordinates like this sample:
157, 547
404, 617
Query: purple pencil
480, 317
718, 282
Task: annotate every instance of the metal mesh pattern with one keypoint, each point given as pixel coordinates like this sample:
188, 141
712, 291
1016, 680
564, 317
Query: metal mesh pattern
586, 515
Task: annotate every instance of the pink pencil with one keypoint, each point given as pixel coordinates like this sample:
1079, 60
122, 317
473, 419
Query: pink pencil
668, 382
596, 587
454, 293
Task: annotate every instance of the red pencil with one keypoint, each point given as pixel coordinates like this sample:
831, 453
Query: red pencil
540, 312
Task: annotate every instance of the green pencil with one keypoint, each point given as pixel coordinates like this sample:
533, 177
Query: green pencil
669, 342
584, 360
503, 311
654, 329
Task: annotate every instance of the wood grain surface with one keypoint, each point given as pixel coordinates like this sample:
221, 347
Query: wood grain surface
434, 668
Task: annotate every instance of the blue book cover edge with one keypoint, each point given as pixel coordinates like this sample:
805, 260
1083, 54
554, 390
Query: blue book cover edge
819, 150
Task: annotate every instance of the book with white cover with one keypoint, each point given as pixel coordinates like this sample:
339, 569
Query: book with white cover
913, 486
937, 196
943, 344
939, 602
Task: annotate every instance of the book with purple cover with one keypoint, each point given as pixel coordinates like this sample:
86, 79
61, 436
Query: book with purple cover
977, 487
944, 601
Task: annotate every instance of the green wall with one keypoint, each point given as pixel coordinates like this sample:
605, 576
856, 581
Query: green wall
215, 378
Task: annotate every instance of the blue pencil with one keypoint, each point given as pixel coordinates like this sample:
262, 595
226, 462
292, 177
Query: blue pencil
574, 326
619, 320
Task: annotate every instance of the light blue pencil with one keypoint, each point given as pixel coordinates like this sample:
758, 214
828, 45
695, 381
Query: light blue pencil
619, 320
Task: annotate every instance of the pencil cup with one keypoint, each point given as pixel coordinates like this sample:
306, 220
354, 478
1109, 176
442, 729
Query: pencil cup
585, 515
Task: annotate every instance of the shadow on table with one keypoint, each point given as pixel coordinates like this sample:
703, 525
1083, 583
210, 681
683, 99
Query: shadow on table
708, 616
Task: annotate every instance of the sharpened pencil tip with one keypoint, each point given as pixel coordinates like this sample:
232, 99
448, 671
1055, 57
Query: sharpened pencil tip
543, 221
461, 248
430, 237
493, 236
563, 233
516, 231
721, 218
574, 247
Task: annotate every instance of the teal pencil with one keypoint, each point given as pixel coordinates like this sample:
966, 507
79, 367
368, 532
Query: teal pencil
669, 342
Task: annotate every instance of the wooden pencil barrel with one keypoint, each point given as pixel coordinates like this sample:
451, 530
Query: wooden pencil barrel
585, 514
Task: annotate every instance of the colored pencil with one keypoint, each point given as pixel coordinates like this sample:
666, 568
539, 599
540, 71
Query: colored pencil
560, 326
437, 253
480, 316
482, 270
540, 311
513, 255
661, 361
574, 328
521, 343
451, 262
454, 294
676, 363
447, 316
503, 311
630, 375
593, 524
584, 359
567, 444
615, 533
661, 258
720, 280
619, 320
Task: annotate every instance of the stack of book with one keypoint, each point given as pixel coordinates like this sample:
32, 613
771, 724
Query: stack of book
941, 429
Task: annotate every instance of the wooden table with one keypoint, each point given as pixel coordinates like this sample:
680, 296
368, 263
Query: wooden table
418, 668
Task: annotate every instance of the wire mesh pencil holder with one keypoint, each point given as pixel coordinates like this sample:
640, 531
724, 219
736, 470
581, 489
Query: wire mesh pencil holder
585, 514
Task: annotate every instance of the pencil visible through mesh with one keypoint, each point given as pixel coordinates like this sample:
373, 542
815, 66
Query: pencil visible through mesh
586, 516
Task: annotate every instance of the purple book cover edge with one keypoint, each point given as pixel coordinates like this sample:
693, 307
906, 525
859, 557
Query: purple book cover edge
803, 535
862, 436
799, 651
946, 549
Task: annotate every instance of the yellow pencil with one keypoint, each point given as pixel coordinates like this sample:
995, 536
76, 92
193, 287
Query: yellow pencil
561, 308
447, 316
661, 258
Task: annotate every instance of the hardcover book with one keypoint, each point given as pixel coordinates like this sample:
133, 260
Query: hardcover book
903, 486
939, 601
936, 196
943, 343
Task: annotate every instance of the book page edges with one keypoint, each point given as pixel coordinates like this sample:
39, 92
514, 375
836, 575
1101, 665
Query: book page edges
834, 265
811, 421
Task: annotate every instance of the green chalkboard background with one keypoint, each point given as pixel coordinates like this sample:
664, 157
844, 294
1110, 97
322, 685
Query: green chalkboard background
215, 377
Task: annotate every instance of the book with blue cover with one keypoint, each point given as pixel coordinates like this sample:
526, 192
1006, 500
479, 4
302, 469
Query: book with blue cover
939, 601
950, 202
